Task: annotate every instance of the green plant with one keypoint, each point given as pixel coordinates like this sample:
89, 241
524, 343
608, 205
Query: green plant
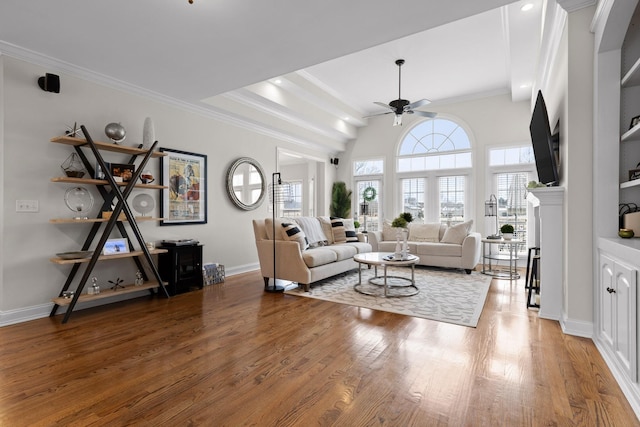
506, 229
356, 224
340, 200
402, 220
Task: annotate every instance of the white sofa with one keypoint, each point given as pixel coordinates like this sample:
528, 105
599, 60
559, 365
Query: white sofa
435, 244
294, 261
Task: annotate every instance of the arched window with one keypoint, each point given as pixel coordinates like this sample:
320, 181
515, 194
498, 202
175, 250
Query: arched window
433, 165
434, 144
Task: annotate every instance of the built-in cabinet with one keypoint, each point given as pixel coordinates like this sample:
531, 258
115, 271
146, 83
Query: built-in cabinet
618, 313
616, 152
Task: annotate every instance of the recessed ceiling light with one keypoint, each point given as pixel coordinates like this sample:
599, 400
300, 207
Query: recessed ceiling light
277, 81
525, 85
526, 7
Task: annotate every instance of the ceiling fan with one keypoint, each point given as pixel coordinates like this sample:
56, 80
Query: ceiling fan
401, 106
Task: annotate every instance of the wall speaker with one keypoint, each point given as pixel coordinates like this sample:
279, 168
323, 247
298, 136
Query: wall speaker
50, 83
334, 161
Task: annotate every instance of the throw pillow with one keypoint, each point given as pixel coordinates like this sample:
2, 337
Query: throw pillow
456, 234
350, 230
424, 232
388, 232
339, 232
325, 223
313, 230
293, 233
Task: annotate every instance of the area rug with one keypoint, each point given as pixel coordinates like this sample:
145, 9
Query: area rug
450, 296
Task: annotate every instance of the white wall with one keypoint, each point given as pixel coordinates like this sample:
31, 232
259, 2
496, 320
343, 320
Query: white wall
32, 117
490, 122
568, 94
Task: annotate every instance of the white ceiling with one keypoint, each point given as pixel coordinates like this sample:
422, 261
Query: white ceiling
342, 49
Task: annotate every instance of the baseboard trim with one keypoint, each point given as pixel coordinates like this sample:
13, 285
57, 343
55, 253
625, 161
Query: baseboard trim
20, 315
578, 328
630, 391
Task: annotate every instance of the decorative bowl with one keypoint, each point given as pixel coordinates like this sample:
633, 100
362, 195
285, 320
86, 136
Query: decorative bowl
626, 233
74, 174
75, 254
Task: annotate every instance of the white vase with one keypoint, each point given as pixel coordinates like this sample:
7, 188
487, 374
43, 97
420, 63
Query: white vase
405, 244
398, 252
507, 236
148, 134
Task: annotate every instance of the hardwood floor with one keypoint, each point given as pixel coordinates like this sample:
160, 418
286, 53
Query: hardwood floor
232, 355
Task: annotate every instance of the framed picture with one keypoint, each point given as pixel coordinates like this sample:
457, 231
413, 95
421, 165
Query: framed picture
634, 121
184, 201
122, 172
115, 246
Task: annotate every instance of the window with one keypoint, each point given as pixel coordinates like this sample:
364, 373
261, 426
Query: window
368, 167
434, 144
368, 193
433, 162
512, 168
413, 195
452, 196
292, 205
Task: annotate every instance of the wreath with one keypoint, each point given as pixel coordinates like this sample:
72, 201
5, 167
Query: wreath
369, 194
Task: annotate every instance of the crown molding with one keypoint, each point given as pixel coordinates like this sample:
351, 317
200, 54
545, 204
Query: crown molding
211, 112
573, 5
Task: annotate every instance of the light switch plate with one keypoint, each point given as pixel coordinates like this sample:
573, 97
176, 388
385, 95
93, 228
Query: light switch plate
27, 206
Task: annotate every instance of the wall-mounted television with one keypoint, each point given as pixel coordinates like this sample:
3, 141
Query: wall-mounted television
545, 143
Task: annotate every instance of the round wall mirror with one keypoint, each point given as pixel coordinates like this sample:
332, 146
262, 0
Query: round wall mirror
246, 183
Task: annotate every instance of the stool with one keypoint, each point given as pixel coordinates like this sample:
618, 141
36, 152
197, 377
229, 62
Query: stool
532, 281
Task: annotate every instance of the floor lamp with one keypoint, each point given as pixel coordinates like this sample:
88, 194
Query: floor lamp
491, 209
276, 195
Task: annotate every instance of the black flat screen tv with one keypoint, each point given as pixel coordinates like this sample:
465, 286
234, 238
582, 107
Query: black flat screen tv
545, 144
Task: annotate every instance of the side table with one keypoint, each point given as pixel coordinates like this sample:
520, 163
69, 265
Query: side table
181, 268
488, 258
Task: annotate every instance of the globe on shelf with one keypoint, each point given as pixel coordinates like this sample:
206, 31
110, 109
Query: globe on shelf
115, 132
79, 200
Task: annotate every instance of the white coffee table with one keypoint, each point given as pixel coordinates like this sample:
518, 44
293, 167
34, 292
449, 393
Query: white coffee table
382, 258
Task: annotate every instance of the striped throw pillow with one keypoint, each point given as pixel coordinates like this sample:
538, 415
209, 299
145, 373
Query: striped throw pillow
350, 230
293, 233
339, 232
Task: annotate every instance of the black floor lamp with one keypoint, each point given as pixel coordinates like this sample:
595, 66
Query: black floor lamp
277, 196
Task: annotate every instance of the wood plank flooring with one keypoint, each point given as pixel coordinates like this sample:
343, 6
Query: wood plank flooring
232, 355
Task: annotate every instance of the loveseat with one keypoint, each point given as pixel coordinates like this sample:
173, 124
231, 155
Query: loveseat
435, 244
308, 249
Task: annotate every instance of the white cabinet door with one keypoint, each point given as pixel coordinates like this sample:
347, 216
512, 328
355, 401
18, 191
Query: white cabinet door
626, 303
607, 300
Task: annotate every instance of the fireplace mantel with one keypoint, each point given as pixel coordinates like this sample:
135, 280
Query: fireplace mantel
549, 202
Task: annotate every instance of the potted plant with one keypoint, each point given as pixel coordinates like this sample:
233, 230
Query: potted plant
340, 200
402, 224
507, 231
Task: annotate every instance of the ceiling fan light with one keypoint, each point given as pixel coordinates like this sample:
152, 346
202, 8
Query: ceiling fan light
397, 120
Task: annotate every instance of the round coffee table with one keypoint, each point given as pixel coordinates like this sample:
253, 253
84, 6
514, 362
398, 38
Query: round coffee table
385, 259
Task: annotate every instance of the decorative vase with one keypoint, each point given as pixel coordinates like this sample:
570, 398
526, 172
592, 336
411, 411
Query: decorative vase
398, 252
148, 134
405, 244
507, 236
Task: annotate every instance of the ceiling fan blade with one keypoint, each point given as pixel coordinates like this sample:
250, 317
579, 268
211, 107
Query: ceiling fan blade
397, 120
430, 114
417, 104
382, 104
377, 114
